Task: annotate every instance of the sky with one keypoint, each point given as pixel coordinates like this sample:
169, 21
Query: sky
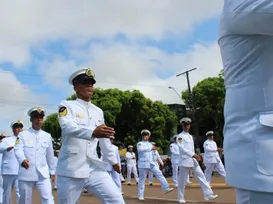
129, 45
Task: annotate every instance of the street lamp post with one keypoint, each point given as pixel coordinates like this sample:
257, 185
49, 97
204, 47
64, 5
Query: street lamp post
170, 87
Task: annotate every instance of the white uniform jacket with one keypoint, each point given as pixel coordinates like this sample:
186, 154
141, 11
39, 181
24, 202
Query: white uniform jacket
156, 157
36, 147
246, 44
145, 156
186, 149
10, 165
105, 159
174, 148
211, 155
130, 158
78, 154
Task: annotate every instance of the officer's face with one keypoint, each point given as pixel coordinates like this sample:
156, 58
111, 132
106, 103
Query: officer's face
186, 127
37, 121
211, 137
84, 89
17, 130
146, 137
130, 149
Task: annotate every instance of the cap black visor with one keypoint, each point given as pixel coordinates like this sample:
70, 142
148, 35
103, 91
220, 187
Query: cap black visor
83, 79
17, 125
36, 113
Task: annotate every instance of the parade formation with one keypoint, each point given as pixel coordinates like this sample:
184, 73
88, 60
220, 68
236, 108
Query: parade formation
28, 159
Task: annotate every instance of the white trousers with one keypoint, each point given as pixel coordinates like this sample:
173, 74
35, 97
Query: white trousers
99, 183
151, 175
253, 197
143, 175
55, 182
43, 186
200, 177
116, 178
176, 172
130, 170
10, 182
219, 168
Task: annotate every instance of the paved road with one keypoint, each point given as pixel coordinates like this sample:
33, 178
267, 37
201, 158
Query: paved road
154, 194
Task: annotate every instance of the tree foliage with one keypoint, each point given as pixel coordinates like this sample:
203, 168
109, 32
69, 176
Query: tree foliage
208, 98
128, 113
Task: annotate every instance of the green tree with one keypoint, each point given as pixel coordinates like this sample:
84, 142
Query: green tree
51, 125
128, 113
208, 98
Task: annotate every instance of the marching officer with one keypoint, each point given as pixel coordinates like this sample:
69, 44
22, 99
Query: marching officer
174, 148
188, 159
246, 44
56, 161
10, 165
211, 157
131, 165
175, 160
115, 175
34, 152
157, 160
82, 125
146, 163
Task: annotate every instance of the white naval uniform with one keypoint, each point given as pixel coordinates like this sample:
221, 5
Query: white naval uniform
131, 166
10, 169
146, 164
246, 44
187, 162
212, 160
156, 158
174, 148
36, 147
55, 182
78, 164
115, 175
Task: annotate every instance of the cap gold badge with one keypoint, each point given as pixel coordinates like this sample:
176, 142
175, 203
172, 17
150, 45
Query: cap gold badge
39, 110
89, 72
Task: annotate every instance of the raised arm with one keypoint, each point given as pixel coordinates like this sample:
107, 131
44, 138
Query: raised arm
69, 125
209, 147
182, 146
144, 148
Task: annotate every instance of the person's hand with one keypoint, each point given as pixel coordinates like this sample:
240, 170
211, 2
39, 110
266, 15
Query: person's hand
161, 166
155, 148
219, 149
103, 131
116, 167
10, 148
197, 157
53, 177
25, 164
